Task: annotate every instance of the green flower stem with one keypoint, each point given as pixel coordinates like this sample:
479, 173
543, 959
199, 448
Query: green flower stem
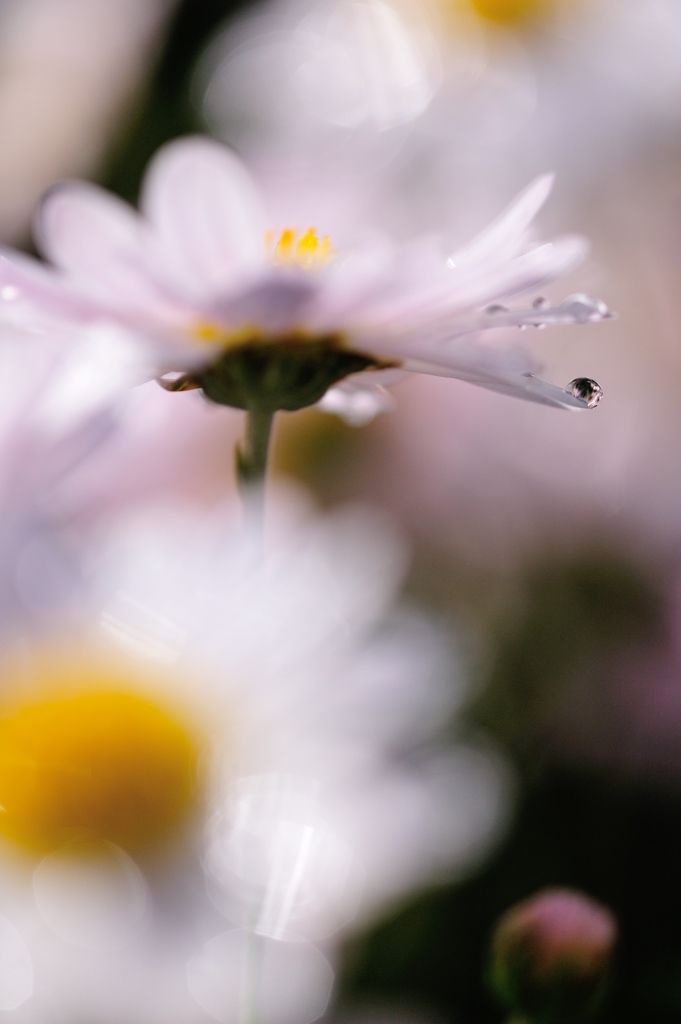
251, 458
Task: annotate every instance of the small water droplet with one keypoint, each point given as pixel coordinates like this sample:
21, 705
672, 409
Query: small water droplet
586, 389
496, 308
9, 292
583, 308
541, 303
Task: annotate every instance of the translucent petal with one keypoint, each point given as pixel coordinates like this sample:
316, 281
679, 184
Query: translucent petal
206, 213
36, 296
504, 236
509, 372
100, 242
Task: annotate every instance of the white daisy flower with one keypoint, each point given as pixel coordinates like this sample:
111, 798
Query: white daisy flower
278, 319
282, 703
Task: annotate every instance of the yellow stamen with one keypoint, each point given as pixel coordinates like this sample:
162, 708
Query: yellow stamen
307, 250
283, 250
211, 333
86, 756
208, 331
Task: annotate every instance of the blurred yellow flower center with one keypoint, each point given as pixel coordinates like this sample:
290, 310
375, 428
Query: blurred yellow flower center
508, 10
91, 759
292, 249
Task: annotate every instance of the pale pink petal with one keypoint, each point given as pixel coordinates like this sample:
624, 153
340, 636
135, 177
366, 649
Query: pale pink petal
207, 215
508, 372
99, 242
277, 304
457, 293
505, 236
35, 296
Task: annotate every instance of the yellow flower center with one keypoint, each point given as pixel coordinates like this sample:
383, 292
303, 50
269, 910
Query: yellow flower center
85, 756
508, 11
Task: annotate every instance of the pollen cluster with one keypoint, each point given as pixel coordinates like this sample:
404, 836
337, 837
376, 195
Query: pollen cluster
293, 249
87, 756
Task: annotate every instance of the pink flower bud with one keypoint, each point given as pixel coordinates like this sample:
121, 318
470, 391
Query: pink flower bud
551, 954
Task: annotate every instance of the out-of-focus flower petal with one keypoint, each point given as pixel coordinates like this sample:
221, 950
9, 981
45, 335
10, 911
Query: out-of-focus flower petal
99, 240
509, 372
504, 237
207, 215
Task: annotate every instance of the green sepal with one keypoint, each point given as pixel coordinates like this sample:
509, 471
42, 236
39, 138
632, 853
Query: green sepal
289, 374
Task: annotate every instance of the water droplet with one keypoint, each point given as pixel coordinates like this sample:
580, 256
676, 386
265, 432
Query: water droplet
496, 308
583, 308
586, 389
541, 303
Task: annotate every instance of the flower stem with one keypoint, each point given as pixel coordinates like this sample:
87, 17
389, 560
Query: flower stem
251, 459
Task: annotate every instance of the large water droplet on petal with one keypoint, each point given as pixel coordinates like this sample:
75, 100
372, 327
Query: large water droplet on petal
583, 308
496, 307
586, 389
541, 303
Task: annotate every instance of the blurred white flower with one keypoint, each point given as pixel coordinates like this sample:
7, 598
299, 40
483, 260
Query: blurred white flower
260, 319
316, 715
441, 99
61, 401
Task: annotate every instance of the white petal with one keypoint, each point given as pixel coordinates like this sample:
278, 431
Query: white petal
509, 372
503, 238
99, 241
276, 304
207, 214
539, 266
34, 295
